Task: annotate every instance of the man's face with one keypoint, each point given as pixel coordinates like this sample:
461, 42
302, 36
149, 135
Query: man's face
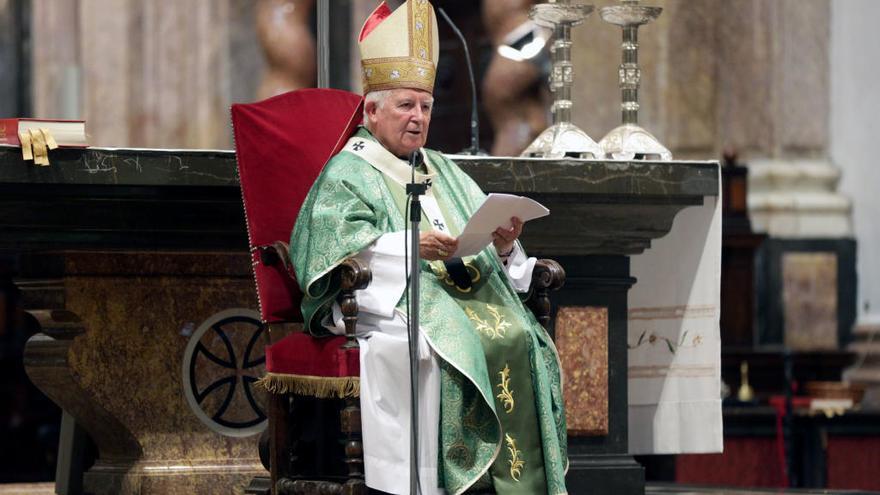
401, 122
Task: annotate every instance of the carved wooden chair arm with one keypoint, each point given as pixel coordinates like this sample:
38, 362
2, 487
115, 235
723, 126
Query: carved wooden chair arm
354, 275
547, 276
277, 252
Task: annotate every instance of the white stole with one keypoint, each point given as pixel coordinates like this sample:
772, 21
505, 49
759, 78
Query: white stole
401, 173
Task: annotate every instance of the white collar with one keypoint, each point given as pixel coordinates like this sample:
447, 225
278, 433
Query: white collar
384, 161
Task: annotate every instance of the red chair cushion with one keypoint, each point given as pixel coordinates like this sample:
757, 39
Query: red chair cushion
301, 354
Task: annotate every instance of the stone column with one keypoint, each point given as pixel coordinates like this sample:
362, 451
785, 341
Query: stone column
144, 74
744, 74
56, 62
10, 56
178, 73
773, 107
773, 78
105, 52
678, 60
853, 137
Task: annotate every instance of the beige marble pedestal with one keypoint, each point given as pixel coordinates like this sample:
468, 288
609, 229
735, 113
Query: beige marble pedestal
110, 352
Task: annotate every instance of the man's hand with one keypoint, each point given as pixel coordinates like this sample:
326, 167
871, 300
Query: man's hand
504, 238
435, 245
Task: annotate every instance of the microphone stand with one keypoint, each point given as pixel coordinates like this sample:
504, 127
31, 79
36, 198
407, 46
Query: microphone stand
475, 119
414, 190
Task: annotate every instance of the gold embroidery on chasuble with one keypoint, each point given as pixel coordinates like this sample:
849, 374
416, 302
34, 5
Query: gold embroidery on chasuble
517, 463
495, 330
506, 395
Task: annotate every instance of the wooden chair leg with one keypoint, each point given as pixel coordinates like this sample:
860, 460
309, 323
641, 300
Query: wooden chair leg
279, 429
350, 421
355, 276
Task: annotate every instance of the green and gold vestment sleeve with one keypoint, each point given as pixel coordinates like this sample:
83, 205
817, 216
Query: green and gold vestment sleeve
343, 213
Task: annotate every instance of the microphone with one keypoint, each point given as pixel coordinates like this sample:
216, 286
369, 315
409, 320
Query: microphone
475, 120
415, 189
415, 159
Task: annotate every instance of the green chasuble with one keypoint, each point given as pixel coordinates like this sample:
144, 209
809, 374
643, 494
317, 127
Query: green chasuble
502, 422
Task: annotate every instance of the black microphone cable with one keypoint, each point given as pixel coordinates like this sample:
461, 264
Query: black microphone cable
475, 119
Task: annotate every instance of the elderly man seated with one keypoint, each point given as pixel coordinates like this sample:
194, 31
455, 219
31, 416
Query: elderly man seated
490, 400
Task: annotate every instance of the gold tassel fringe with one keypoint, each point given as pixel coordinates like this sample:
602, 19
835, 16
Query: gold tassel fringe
312, 386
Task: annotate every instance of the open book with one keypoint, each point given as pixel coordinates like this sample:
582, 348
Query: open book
495, 212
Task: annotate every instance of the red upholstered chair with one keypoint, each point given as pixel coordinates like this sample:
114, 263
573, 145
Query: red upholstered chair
281, 144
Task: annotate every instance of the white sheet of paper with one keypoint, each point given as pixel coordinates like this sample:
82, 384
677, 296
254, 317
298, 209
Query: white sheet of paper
495, 212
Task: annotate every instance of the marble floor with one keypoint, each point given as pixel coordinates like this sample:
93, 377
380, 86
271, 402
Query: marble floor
671, 489
27, 489
652, 489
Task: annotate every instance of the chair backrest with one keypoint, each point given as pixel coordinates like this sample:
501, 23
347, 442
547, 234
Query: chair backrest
281, 145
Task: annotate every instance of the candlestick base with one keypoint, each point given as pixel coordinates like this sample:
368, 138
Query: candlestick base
551, 14
629, 141
629, 15
564, 140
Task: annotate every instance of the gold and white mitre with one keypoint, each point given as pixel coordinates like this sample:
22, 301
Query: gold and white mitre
399, 49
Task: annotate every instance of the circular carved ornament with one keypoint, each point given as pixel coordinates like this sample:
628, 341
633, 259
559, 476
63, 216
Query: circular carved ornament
223, 359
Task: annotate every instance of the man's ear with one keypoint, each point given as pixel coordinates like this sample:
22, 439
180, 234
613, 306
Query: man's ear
370, 109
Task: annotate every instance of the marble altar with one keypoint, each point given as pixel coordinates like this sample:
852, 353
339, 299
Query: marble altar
118, 249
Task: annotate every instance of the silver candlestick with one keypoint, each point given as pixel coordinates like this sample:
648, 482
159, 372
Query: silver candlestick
562, 138
630, 141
